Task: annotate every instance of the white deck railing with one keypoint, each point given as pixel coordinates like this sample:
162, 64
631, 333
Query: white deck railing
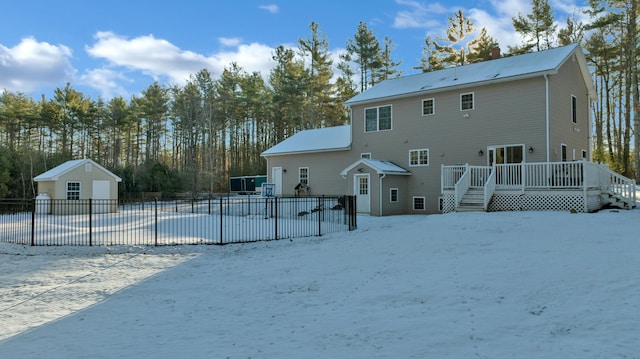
546, 175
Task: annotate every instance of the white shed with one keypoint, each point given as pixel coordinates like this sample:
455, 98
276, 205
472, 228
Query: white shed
68, 184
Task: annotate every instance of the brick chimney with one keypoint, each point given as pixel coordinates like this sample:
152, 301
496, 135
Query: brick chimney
495, 53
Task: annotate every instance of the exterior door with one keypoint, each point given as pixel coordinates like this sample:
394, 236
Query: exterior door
508, 159
362, 190
276, 179
100, 196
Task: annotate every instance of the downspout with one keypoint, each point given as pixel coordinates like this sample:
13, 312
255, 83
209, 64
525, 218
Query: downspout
380, 190
546, 78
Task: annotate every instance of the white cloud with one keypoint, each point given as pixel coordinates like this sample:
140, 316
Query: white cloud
106, 81
30, 64
420, 15
157, 58
272, 8
498, 27
165, 62
230, 41
251, 57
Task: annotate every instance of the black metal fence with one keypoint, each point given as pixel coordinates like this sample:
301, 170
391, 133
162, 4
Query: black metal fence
231, 219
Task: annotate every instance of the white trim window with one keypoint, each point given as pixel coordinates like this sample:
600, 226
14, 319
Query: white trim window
377, 118
428, 107
366, 155
466, 101
419, 157
419, 203
73, 191
393, 195
303, 175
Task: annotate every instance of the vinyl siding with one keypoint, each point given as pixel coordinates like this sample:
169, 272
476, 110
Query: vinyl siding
324, 171
568, 82
86, 182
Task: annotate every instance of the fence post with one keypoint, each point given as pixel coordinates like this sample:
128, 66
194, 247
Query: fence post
275, 199
352, 212
90, 220
221, 241
155, 204
33, 222
319, 218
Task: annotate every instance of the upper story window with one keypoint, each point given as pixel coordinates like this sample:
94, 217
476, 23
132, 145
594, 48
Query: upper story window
377, 118
466, 101
419, 157
428, 107
303, 175
574, 109
366, 155
73, 191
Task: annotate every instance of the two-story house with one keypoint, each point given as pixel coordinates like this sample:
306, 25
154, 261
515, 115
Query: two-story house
463, 137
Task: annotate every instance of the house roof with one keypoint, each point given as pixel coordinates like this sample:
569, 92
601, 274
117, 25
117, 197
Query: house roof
55, 173
381, 167
337, 138
499, 70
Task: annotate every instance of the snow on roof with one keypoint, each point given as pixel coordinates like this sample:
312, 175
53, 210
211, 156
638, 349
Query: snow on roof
54, 173
381, 167
502, 69
335, 138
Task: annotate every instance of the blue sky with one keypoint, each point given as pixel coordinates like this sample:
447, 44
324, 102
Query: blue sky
118, 48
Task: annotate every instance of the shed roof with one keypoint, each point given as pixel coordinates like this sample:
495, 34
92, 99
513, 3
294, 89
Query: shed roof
499, 70
337, 138
381, 167
55, 173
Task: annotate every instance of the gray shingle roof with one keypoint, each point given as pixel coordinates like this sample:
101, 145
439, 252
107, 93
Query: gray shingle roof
502, 69
335, 138
54, 173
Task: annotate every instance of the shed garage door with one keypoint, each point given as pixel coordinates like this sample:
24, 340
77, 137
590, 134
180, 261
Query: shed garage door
100, 195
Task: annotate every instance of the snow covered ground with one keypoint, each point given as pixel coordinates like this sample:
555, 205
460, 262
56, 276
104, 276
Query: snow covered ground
460, 285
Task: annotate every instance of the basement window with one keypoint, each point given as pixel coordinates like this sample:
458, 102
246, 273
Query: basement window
418, 204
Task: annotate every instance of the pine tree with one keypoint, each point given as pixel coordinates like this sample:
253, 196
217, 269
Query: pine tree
537, 28
319, 92
482, 47
364, 50
389, 67
455, 51
431, 58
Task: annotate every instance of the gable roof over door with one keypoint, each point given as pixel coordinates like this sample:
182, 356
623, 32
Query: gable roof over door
504, 69
55, 173
381, 167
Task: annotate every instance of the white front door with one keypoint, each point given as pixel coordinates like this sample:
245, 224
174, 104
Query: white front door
100, 195
362, 191
276, 178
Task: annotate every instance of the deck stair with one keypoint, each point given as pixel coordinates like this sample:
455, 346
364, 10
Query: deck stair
472, 201
615, 200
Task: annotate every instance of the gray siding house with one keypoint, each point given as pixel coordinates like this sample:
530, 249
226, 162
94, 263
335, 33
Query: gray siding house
433, 142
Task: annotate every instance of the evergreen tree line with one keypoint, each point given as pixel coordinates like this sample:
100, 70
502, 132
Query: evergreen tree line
195, 136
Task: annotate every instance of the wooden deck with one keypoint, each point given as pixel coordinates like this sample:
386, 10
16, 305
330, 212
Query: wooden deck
580, 186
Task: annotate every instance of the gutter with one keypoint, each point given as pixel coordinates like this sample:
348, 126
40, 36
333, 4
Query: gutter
380, 190
546, 79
